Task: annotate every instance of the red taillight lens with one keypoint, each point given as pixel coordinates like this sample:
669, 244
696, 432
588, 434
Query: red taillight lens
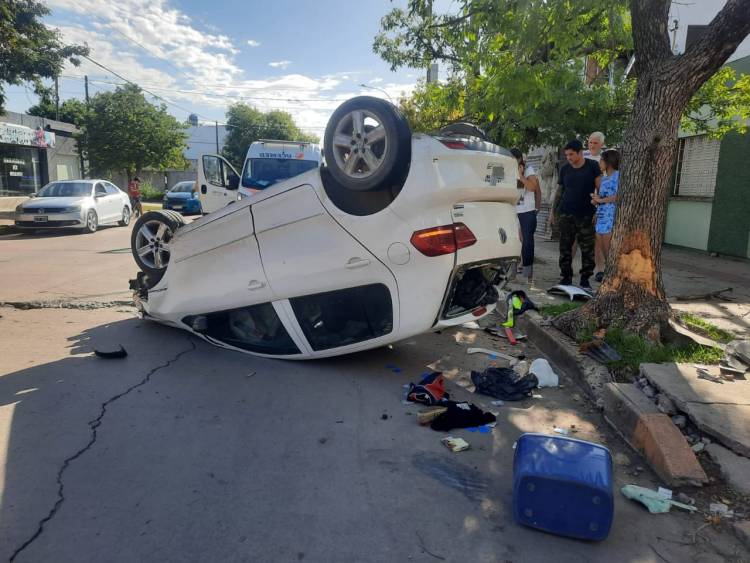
446, 239
478, 312
454, 144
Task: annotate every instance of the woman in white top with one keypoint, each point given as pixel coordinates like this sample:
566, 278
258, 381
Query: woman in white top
529, 201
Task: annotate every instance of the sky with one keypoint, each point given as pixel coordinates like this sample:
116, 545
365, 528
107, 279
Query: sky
301, 56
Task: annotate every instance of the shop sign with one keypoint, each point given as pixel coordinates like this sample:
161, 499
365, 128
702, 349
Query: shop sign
21, 135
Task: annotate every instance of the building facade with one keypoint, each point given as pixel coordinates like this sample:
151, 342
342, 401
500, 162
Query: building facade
33, 152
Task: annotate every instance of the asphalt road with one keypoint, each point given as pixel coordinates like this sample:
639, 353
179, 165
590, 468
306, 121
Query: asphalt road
186, 452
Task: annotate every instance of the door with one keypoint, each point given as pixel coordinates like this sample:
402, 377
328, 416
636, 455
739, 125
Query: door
340, 294
217, 182
103, 203
114, 200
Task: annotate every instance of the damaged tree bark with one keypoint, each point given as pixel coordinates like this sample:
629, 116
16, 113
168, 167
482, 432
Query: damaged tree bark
632, 295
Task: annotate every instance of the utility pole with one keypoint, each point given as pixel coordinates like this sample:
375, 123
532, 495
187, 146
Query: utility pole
676, 24
80, 152
216, 123
57, 101
86, 86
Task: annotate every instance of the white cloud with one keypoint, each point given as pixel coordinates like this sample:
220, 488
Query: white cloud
280, 64
253, 43
376, 81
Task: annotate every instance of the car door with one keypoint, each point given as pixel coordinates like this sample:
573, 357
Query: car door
217, 182
103, 203
337, 295
114, 200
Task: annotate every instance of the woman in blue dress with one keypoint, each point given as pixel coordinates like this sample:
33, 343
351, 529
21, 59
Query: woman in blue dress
606, 201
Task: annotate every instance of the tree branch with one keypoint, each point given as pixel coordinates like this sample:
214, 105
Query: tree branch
717, 43
453, 21
650, 33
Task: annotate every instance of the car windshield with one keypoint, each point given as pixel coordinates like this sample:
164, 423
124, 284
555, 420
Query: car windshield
182, 187
66, 189
260, 173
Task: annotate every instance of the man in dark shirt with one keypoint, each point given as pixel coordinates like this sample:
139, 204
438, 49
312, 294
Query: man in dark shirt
574, 212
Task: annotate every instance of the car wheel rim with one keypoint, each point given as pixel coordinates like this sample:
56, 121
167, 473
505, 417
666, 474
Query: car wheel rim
152, 244
126, 216
91, 221
360, 144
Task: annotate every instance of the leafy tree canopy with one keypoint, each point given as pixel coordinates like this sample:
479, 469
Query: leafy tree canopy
72, 110
122, 131
29, 50
246, 124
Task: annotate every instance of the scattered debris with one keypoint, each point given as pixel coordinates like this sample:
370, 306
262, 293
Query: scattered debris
703, 296
504, 383
649, 391
517, 303
544, 374
679, 421
698, 447
521, 368
429, 391
498, 403
426, 416
600, 351
720, 509
684, 499
653, 500
495, 353
384, 416
455, 444
501, 333
665, 404
461, 415
666, 493
562, 431
571, 291
473, 325
113, 355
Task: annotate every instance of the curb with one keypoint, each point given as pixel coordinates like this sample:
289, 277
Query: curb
629, 412
564, 353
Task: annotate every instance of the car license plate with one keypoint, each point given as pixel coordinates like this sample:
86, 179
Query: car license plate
40, 219
177, 207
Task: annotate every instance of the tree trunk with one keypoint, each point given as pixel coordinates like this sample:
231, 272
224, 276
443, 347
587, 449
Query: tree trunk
632, 295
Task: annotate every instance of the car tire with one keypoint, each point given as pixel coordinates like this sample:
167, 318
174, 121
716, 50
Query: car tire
92, 222
149, 241
357, 161
125, 221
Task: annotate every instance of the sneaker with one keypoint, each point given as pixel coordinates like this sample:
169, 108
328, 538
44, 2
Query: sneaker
585, 284
599, 277
565, 281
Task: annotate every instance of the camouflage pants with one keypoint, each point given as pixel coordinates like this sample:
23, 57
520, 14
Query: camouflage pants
572, 229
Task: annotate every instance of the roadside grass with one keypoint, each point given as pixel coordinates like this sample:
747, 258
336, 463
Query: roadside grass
559, 308
705, 328
635, 351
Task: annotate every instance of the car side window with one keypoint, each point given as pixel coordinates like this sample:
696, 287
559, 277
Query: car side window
99, 190
111, 188
256, 328
213, 169
346, 316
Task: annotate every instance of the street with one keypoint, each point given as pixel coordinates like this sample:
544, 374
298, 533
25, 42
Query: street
186, 452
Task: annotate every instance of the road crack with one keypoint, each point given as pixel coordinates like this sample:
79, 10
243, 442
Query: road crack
93, 425
82, 305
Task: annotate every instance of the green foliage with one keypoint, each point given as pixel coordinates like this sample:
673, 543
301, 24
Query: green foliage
246, 124
151, 193
559, 308
29, 50
71, 110
516, 69
636, 350
705, 328
123, 131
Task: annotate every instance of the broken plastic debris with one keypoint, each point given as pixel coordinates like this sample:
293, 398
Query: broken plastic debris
455, 444
563, 431
498, 403
720, 509
489, 353
537, 396
113, 355
544, 374
653, 500
571, 291
666, 493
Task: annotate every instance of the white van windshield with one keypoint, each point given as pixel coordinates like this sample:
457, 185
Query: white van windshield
259, 173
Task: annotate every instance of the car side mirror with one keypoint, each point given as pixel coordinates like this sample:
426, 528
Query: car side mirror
234, 182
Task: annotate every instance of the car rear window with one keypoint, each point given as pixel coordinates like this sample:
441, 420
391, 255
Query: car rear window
344, 317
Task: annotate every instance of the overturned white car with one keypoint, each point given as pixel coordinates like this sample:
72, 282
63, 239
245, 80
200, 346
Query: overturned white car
396, 235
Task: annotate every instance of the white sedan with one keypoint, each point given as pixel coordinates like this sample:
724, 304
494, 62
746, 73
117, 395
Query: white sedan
78, 204
398, 234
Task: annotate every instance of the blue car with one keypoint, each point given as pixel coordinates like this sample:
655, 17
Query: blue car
183, 198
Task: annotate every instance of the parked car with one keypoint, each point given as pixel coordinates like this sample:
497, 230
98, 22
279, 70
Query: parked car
398, 234
183, 197
77, 204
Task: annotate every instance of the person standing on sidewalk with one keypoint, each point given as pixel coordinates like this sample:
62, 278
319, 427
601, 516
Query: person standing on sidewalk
595, 146
574, 212
605, 201
529, 201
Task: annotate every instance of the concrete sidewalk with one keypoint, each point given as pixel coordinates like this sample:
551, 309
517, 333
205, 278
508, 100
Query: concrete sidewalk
685, 272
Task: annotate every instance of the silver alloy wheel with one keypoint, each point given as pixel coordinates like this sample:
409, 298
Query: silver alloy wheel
91, 221
359, 151
152, 244
125, 216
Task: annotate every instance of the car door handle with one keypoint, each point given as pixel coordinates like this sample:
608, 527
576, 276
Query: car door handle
256, 284
357, 262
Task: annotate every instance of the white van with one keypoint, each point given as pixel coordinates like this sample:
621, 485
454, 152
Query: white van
267, 162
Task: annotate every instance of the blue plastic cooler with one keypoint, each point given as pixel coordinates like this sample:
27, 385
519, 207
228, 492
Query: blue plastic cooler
563, 486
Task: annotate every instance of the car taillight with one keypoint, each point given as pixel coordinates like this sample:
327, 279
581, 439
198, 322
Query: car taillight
454, 144
445, 239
